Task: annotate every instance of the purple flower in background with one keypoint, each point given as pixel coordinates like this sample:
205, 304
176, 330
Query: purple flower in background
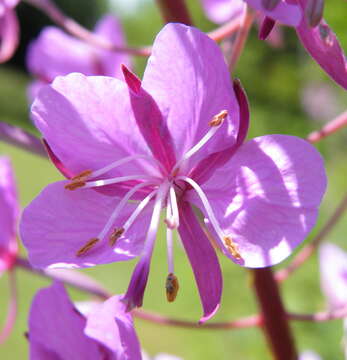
9, 211
9, 29
56, 53
57, 330
173, 141
333, 270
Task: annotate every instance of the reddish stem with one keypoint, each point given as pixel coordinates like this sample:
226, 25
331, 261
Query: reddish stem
308, 250
275, 320
174, 11
321, 316
331, 127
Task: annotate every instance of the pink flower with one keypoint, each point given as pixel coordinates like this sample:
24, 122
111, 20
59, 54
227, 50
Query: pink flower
57, 330
305, 16
333, 270
174, 141
9, 29
309, 355
9, 211
56, 53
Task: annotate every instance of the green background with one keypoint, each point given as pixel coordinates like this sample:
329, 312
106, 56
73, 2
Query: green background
275, 79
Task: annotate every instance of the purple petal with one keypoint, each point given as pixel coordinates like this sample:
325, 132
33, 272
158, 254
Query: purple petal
333, 270
110, 29
285, 12
203, 260
59, 222
9, 34
192, 89
9, 211
56, 328
207, 166
265, 199
88, 124
314, 11
220, 11
150, 121
111, 325
323, 45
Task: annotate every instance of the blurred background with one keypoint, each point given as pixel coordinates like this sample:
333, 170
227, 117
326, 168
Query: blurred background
288, 94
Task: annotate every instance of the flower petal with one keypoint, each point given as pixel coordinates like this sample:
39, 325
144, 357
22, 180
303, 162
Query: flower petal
220, 11
9, 34
59, 222
109, 28
323, 45
191, 89
56, 328
9, 214
265, 198
88, 124
203, 260
111, 325
284, 12
333, 270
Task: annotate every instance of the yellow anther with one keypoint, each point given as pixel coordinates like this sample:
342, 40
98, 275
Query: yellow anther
219, 118
75, 185
82, 176
88, 246
232, 247
116, 234
171, 287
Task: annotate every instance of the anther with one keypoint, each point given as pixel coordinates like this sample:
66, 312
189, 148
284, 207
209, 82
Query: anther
232, 247
116, 234
171, 287
82, 176
170, 223
218, 119
75, 185
88, 246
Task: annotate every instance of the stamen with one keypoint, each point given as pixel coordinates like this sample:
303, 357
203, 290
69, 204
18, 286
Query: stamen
215, 124
227, 241
116, 234
174, 207
232, 247
124, 161
169, 242
88, 246
171, 287
120, 206
116, 180
219, 118
82, 176
74, 185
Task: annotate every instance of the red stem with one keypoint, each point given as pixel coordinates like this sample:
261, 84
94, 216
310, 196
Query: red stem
174, 11
275, 320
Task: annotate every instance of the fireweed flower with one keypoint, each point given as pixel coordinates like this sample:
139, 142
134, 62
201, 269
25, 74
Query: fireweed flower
56, 53
305, 16
9, 29
9, 211
107, 333
309, 355
173, 141
333, 271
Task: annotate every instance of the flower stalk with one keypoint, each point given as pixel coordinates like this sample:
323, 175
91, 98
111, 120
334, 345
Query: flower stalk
275, 321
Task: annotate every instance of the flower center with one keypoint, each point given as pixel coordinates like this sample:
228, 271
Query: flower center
167, 190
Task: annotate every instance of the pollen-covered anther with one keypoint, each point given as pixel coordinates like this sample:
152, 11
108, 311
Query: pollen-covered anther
232, 247
82, 176
116, 234
88, 246
75, 185
171, 287
219, 118
78, 180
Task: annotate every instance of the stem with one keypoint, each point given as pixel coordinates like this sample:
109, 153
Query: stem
331, 127
241, 38
321, 316
174, 11
15, 136
275, 320
307, 251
